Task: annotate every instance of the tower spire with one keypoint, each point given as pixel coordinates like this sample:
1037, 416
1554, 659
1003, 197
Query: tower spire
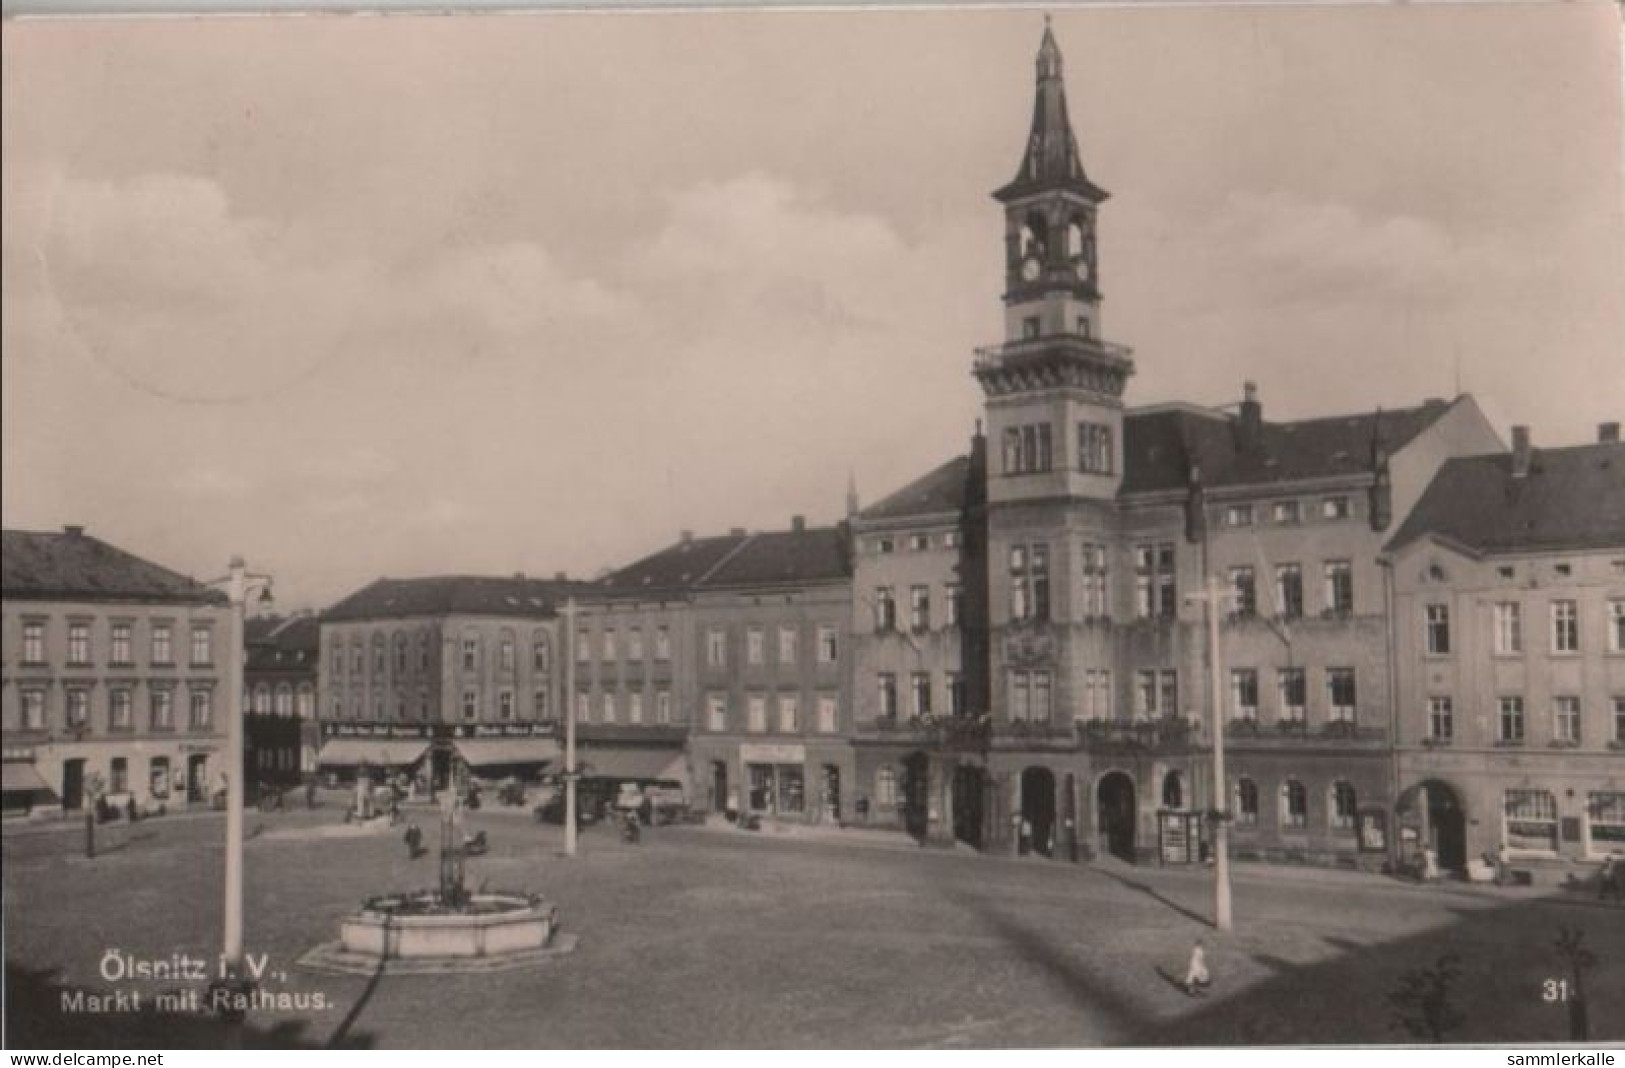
1051, 159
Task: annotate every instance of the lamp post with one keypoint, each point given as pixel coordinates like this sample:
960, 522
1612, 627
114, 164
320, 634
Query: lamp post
571, 653
239, 585
1213, 596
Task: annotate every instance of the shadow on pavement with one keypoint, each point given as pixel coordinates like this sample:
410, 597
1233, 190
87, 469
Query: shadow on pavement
1109, 1006
1507, 953
1151, 892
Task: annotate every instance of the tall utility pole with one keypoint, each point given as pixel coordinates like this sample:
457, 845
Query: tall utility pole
239, 585
1214, 597
569, 647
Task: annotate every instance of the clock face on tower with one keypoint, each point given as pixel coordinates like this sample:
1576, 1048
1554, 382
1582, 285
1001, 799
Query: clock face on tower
1030, 268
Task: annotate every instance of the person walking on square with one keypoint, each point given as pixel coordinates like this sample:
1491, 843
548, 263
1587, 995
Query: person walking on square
1197, 979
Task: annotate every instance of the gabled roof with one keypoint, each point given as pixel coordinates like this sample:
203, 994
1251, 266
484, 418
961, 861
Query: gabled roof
673, 570
785, 558
282, 643
1572, 498
938, 491
773, 558
442, 595
1160, 446
73, 566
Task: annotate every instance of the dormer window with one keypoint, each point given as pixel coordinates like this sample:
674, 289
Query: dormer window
1083, 326
1029, 327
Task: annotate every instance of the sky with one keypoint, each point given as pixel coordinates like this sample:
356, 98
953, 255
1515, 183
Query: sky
355, 297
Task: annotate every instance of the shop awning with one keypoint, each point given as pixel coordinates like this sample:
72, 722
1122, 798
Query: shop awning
639, 764
492, 752
382, 752
21, 778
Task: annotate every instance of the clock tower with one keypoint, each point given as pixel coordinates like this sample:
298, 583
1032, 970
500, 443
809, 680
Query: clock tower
1054, 387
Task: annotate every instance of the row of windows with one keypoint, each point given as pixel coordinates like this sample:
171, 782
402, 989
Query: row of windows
1030, 449
1292, 693
917, 541
284, 700
827, 649
1292, 804
1511, 725
404, 709
1287, 600
120, 643
397, 653
120, 712
919, 608
1288, 512
628, 708
786, 713
920, 694
1564, 632
609, 644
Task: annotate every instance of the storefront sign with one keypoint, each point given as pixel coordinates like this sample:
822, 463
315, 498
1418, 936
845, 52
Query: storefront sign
773, 754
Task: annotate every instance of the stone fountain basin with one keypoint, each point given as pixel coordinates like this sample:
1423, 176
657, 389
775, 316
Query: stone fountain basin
420, 927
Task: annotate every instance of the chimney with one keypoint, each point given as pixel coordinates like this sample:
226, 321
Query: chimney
1520, 451
559, 576
736, 532
1249, 425
519, 576
684, 537
73, 531
1607, 433
798, 522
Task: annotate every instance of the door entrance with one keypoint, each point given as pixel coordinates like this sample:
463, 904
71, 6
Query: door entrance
970, 790
197, 766
1449, 823
1038, 811
917, 794
719, 785
73, 785
832, 793
1118, 814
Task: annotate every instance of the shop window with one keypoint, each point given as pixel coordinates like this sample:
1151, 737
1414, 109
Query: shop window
1531, 820
1606, 816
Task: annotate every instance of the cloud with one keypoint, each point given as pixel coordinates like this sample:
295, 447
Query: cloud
168, 285
756, 245
1298, 250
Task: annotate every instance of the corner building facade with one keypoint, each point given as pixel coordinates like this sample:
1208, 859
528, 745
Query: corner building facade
1082, 727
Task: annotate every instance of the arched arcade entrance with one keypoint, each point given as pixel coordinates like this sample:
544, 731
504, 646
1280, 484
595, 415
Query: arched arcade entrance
1118, 813
1038, 811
